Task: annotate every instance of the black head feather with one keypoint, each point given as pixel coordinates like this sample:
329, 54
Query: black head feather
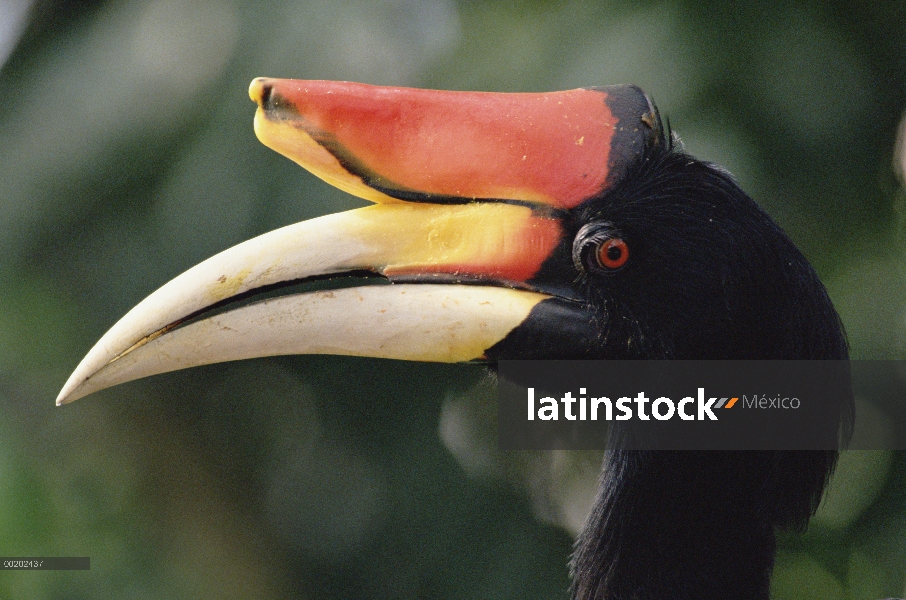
710, 276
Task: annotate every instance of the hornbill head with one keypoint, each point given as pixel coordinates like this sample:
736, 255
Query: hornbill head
551, 225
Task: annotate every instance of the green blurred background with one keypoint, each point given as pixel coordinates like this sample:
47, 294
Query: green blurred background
127, 155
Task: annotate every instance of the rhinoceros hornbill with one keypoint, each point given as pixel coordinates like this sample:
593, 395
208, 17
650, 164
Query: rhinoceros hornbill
551, 225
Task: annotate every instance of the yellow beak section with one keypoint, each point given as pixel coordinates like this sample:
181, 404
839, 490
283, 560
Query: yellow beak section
498, 243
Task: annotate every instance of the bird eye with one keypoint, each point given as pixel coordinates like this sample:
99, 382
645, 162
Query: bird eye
599, 247
612, 253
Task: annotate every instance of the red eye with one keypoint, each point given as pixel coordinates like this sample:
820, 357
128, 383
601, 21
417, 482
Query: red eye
613, 253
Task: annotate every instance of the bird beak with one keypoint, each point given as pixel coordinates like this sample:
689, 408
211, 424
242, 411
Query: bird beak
470, 192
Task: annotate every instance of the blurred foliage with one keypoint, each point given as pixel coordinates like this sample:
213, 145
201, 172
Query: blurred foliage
127, 155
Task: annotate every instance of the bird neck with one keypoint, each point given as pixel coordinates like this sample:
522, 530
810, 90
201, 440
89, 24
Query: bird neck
675, 525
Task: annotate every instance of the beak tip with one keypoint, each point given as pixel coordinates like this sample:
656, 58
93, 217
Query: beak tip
66, 395
70, 394
75, 387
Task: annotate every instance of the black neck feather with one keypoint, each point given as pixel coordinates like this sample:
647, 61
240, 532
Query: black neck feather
677, 525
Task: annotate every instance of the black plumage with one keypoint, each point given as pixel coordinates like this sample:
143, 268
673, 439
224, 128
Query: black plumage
710, 276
